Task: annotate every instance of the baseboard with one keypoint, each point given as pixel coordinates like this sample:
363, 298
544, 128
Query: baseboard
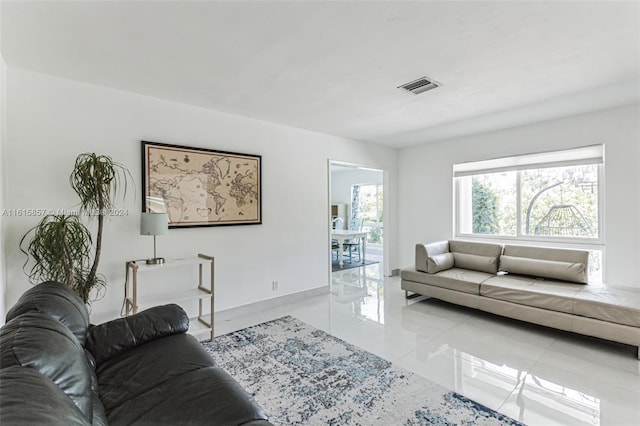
269, 303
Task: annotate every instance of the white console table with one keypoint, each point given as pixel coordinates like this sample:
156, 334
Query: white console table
197, 325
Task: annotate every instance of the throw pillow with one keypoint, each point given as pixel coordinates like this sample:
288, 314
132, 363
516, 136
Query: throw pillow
474, 262
439, 262
565, 271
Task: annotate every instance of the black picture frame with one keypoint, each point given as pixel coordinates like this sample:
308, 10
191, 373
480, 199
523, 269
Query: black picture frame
201, 187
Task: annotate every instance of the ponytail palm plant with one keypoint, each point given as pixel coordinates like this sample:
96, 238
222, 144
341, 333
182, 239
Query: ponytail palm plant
97, 180
61, 251
61, 245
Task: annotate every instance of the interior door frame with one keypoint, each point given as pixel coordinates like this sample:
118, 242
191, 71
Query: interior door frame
385, 210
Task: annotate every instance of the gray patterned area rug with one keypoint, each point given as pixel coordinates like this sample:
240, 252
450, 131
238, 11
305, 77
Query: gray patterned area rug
303, 376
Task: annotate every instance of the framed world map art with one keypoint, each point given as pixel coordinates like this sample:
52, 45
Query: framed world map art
201, 187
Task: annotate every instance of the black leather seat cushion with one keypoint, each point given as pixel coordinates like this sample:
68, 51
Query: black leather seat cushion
136, 371
207, 396
172, 381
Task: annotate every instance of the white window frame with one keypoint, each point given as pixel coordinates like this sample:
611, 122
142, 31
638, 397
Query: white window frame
593, 154
377, 223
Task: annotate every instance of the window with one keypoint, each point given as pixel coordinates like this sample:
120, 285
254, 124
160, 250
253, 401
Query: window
487, 204
367, 202
552, 197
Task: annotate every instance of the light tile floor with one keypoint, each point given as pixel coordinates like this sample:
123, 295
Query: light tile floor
534, 374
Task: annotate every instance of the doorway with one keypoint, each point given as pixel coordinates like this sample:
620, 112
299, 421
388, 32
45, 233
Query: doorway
356, 202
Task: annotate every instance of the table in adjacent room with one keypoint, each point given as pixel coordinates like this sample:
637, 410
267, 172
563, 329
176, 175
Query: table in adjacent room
341, 235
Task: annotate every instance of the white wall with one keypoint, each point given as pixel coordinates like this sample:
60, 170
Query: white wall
342, 179
52, 120
426, 186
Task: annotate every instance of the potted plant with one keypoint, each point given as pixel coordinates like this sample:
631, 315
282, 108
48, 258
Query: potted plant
60, 248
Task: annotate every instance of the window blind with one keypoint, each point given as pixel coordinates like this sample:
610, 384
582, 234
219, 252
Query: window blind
593, 154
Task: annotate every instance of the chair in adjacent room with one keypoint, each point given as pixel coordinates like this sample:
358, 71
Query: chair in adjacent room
336, 223
353, 246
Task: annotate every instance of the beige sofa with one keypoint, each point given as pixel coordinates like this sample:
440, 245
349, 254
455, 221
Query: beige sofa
539, 285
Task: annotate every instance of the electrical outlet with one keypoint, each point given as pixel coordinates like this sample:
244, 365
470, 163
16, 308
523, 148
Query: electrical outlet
274, 285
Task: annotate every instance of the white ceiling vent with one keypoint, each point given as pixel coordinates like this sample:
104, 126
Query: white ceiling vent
420, 85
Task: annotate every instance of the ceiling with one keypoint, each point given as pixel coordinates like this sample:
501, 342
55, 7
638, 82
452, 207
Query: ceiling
334, 67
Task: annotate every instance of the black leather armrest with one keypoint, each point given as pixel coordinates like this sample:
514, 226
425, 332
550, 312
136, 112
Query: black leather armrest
114, 337
30, 398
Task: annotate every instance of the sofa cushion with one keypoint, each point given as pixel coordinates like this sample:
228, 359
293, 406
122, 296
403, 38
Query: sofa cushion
29, 398
439, 262
463, 280
488, 264
613, 304
38, 341
529, 291
144, 367
565, 271
479, 249
476, 256
226, 402
546, 253
58, 301
619, 305
120, 335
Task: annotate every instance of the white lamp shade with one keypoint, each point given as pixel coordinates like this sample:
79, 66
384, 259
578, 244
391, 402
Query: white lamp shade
154, 224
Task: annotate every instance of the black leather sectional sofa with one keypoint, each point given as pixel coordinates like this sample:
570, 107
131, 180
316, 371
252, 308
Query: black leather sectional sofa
57, 369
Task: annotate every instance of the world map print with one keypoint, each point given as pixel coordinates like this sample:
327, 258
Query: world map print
202, 187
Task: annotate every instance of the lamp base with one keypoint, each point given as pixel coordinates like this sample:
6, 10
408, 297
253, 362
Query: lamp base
155, 261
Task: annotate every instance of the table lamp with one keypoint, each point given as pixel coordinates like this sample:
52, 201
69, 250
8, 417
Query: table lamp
154, 224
